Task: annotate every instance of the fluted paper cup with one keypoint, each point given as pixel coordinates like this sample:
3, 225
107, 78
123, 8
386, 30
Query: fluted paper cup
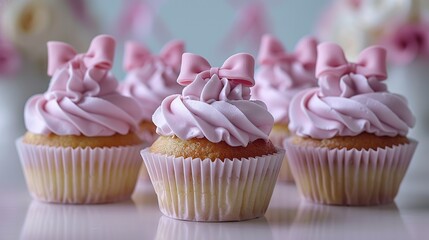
285, 175
349, 177
79, 175
148, 139
205, 190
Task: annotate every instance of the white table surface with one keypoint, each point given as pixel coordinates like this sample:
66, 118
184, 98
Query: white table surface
287, 217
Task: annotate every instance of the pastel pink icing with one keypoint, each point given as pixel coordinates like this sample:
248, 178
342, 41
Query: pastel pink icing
350, 103
151, 78
281, 75
82, 97
215, 107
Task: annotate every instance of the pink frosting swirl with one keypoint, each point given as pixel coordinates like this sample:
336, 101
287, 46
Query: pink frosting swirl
215, 108
151, 78
282, 75
351, 103
82, 97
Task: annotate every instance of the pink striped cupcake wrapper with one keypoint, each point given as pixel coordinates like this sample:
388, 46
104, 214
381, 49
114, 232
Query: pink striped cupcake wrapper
205, 190
79, 175
349, 177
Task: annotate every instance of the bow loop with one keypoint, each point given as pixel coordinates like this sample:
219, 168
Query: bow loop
272, 51
192, 65
100, 54
372, 62
135, 56
172, 53
332, 61
238, 68
59, 53
306, 52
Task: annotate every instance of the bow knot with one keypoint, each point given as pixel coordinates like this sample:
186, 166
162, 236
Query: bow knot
214, 70
272, 52
136, 55
238, 68
352, 67
100, 54
332, 61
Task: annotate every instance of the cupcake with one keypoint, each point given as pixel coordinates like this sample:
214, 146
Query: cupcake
213, 160
350, 145
80, 146
150, 78
280, 76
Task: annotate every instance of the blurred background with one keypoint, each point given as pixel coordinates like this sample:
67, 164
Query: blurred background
213, 29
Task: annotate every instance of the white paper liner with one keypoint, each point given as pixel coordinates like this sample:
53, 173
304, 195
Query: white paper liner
205, 190
79, 176
349, 177
143, 174
285, 175
148, 138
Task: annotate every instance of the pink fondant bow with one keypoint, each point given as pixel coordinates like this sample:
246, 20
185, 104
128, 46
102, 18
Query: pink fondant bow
332, 61
238, 68
137, 55
272, 52
100, 54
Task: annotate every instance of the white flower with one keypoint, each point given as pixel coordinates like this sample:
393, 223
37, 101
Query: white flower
29, 24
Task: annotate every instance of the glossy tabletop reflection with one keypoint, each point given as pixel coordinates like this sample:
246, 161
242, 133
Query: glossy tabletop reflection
286, 218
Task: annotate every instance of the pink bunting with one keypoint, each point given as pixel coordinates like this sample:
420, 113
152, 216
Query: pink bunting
139, 20
251, 24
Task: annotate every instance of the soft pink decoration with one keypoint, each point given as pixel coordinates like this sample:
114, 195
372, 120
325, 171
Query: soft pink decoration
100, 54
139, 19
82, 97
332, 61
251, 24
282, 74
350, 99
136, 55
215, 103
9, 58
272, 52
237, 68
406, 42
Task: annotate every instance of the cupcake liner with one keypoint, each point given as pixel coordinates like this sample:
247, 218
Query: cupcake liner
349, 177
148, 138
79, 175
285, 175
205, 190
